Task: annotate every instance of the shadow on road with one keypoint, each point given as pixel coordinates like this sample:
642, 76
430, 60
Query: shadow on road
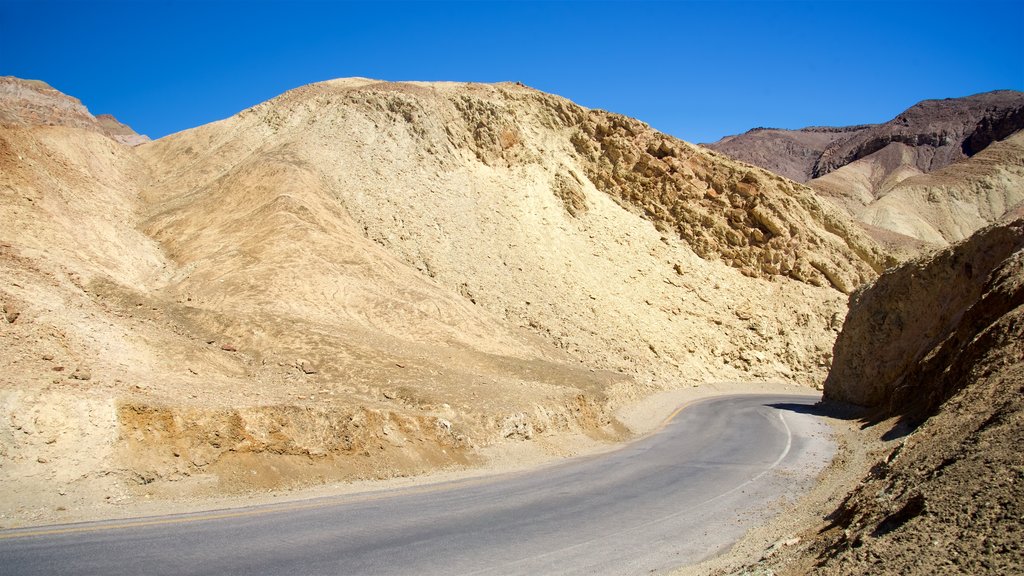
825, 409
842, 411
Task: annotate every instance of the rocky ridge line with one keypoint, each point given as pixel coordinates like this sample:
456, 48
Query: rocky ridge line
941, 131
36, 103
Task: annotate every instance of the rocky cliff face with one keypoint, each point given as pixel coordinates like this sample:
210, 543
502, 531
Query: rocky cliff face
937, 345
35, 103
909, 337
751, 220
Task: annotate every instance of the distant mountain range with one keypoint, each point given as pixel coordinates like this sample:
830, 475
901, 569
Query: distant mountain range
919, 179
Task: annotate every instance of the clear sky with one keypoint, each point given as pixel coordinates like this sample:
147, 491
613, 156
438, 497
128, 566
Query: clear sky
697, 70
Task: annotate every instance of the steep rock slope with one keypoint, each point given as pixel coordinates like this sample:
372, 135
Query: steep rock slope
951, 488
36, 103
895, 327
361, 279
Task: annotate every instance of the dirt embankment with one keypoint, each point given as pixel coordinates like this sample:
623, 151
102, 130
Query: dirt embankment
935, 348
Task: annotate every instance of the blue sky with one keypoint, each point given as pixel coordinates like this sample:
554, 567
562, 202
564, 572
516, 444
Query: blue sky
697, 70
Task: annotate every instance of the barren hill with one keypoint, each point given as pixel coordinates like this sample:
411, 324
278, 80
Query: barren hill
361, 279
933, 175
939, 132
935, 133
950, 204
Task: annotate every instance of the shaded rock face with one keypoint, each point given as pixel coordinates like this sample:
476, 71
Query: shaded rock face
910, 339
937, 342
36, 103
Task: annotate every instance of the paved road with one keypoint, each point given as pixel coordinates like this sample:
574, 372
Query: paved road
673, 498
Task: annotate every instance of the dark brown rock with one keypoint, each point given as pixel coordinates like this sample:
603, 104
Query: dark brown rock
11, 313
789, 153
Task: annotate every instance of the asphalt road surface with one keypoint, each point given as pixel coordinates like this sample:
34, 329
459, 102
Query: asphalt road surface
673, 498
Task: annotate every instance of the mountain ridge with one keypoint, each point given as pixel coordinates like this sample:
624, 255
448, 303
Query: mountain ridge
877, 174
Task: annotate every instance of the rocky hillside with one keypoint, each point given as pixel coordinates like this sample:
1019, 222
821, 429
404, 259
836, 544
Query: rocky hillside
35, 103
361, 279
916, 181
935, 348
937, 132
950, 204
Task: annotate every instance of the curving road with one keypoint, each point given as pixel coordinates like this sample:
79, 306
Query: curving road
673, 498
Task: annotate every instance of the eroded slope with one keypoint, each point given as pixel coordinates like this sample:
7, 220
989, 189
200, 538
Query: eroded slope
36, 103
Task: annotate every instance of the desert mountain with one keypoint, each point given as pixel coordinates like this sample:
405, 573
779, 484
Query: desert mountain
936, 133
789, 153
36, 103
951, 203
939, 132
918, 180
361, 279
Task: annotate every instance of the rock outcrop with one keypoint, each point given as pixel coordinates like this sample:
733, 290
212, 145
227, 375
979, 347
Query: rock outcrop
910, 338
936, 348
749, 219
